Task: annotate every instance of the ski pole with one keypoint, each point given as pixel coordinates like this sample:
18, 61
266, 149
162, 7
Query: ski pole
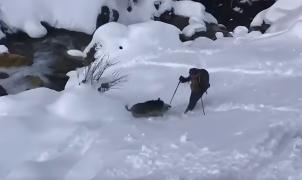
202, 107
174, 92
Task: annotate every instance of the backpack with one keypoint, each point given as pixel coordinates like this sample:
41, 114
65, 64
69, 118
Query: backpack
200, 81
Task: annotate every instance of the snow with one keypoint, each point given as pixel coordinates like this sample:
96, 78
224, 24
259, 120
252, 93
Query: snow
194, 10
76, 15
76, 53
282, 15
240, 31
27, 15
191, 29
219, 35
197, 16
142, 11
80, 15
120, 41
210, 18
252, 127
189, 9
3, 49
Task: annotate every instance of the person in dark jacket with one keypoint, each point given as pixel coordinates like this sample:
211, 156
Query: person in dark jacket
199, 85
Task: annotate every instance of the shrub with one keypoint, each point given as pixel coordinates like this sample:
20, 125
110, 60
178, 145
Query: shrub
94, 72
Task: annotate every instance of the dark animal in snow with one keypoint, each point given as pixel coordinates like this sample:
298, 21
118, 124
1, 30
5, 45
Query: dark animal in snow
149, 108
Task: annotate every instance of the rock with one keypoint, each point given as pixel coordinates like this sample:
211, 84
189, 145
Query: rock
182, 22
57, 81
212, 29
20, 44
34, 81
3, 75
2, 91
261, 28
170, 17
235, 13
63, 62
106, 15
14, 60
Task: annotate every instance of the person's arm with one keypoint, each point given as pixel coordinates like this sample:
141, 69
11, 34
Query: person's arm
184, 79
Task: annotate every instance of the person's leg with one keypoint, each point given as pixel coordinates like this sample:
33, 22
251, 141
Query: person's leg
195, 96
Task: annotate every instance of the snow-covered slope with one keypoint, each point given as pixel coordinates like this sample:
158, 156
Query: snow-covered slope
252, 127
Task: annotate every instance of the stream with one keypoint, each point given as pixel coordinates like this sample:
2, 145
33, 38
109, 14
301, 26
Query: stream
49, 60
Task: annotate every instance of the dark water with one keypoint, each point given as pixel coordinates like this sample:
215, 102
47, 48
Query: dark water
223, 11
49, 54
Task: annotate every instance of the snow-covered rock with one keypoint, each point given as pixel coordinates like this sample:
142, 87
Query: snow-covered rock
3, 49
281, 16
141, 11
27, 15
197, 15
194, 10
191, 29
240, 31
76, 15
82, 16
189, 9
118, 40
219, 35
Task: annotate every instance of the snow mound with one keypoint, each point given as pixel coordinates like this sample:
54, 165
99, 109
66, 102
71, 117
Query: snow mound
296, 29
3, 49
197, 16
189, 9
240, 31
191, 29
281, 15
194, 10
74, 104
27, 15
118, 40
141, 11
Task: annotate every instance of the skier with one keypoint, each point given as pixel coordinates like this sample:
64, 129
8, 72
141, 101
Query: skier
199, 84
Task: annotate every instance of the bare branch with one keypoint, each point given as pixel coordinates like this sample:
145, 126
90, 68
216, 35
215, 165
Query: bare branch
94, 72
